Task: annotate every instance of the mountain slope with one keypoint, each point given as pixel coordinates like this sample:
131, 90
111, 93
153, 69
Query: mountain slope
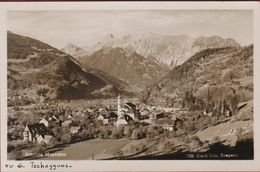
72, 49
207, 79
168, 49
126, 65
33, 65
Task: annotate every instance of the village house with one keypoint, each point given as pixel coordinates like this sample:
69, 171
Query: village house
37, 133
75, 130
168, 109
155, 115
126, 113
174, 117
90, 110
132, 111
165, 124
207, 113
66, 123
53, 118
228, 112
144, 112
103, 118
51, 121
107, 116
121, 121
69, 116
147, 121
45, 122
112, 116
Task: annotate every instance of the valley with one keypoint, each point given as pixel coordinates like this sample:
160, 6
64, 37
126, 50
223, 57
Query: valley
160, 97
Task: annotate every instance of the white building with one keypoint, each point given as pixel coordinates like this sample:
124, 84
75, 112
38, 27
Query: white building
121, 121
45, 122
120, 112
36, 133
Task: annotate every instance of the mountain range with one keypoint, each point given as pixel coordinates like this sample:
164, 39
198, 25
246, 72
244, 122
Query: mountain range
127, 66
171, 50
72, 49
33, 65
120, 66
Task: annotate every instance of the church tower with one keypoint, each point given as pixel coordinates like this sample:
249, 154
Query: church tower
119, 108
118, 104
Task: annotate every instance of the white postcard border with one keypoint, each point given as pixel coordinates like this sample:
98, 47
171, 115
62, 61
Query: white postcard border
131, 165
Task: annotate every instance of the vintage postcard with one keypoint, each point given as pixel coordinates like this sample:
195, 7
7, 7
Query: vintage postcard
129, 86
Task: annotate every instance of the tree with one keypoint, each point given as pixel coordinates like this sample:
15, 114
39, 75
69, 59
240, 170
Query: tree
105, 134
135, 134
58, 130
39, 149
189, 100
53, 142
115, 134
167, 146
127, 131
66, 138
195, 143
42, 91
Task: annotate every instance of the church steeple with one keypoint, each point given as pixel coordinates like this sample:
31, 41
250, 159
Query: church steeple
118, 104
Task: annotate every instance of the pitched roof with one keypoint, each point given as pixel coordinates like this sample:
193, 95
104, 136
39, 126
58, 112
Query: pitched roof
128, 117
130, 111
157, 112
73, 129
38, 128
66, 122
164, 122
131, 105
112, 114
121, 117
44, 118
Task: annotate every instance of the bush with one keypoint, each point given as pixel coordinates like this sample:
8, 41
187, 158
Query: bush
166, 146
66, 138
134, 134
53, 142
42, 91
228, 76
40, 148
105, 134
127, 131
117, 133
10, 148
216, 139
18, 155
136, 148
245, 95
137, 133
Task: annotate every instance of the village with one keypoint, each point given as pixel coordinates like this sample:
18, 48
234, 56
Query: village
123, 113
122, 117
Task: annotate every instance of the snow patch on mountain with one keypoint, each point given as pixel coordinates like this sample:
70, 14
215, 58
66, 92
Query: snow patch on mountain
171, 50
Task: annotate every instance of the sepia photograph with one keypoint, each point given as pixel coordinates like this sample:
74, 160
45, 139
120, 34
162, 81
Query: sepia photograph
100, 86
130, 85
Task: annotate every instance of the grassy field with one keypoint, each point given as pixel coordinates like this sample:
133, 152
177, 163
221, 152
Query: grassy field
90, 149
222, 129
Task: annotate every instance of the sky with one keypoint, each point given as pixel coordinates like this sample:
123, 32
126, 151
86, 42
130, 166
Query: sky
85, 28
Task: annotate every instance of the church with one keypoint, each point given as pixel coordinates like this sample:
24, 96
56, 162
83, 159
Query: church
126, 113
